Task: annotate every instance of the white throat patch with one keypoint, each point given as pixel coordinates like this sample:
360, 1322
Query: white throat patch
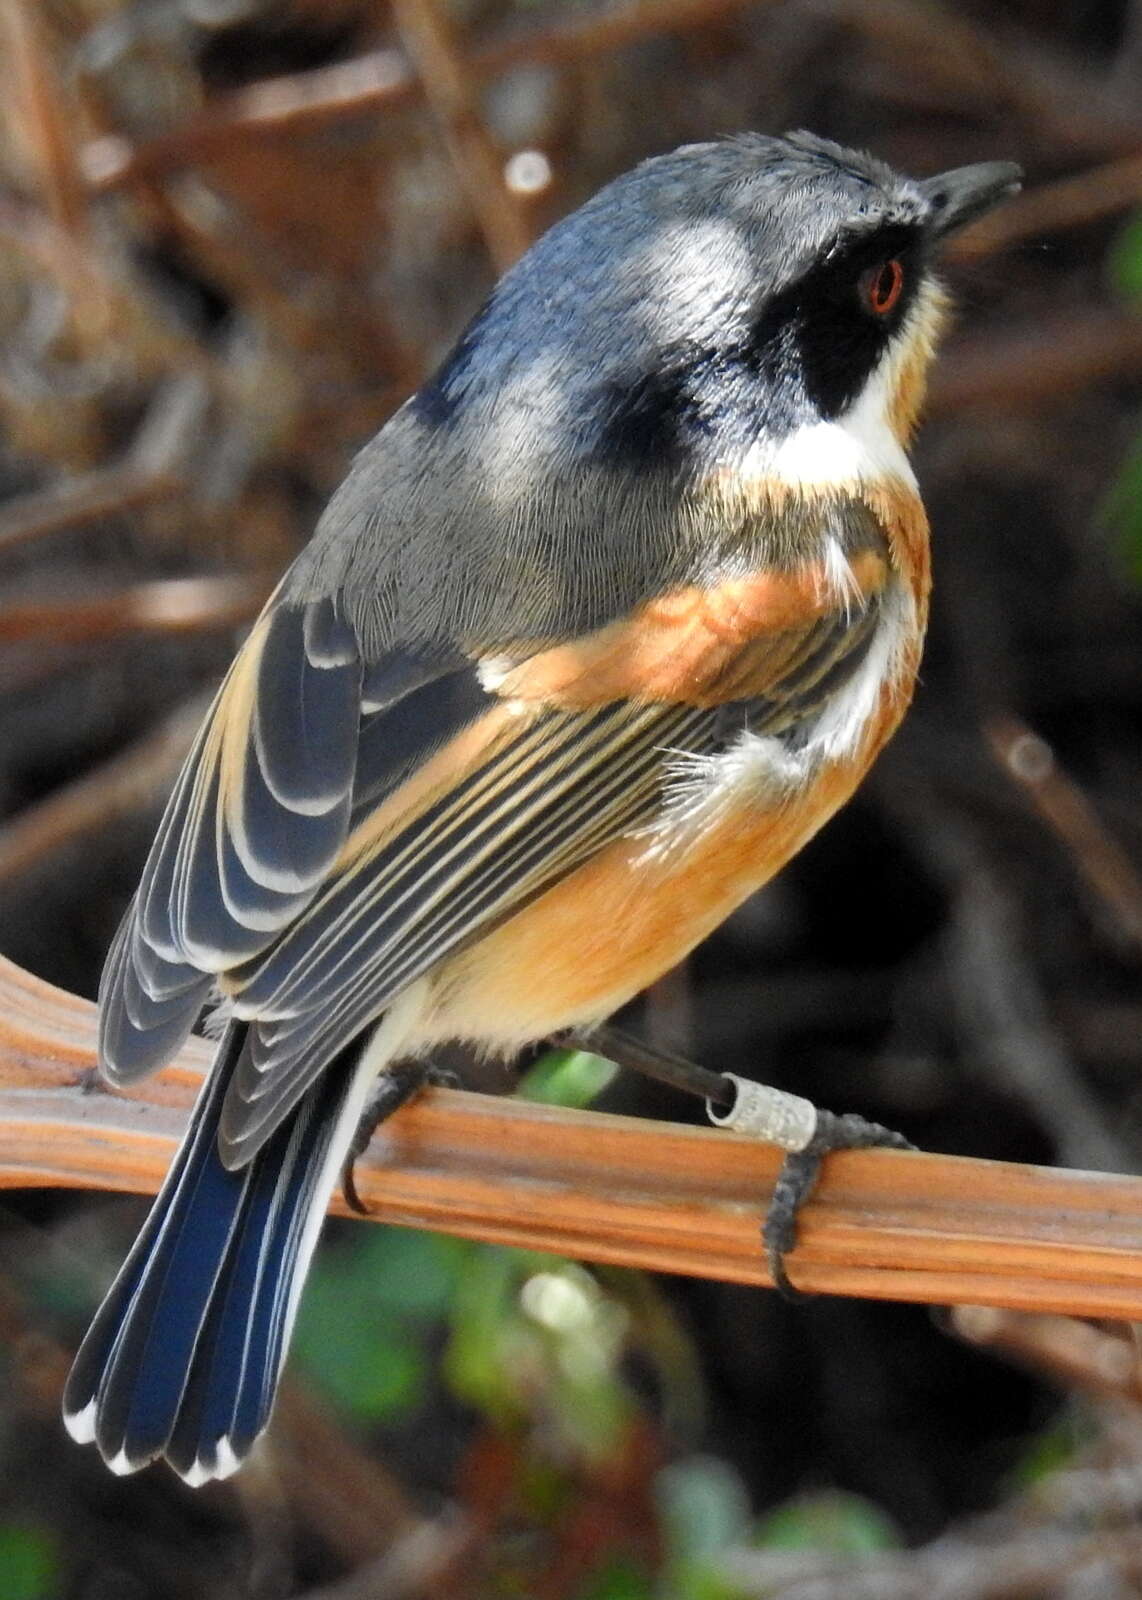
857, 447
861, 445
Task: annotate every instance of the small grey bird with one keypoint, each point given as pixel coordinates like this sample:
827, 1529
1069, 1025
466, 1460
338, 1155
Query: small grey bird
602, 626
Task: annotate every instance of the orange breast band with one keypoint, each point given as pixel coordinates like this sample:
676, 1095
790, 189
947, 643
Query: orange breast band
684, 645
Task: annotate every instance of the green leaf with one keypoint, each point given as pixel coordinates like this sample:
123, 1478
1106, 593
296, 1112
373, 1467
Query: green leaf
535, 1335
567, 1078
29, 1563
366, 1308
618, 1580
373, 1372
833, 1522
408, 1271
474, 1361
1049, 1452
1125, 259
690, 1580
1122, 513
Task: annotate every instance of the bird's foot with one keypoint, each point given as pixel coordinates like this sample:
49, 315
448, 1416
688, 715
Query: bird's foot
616, 1045
807, 1135
392, 1090
775, 1116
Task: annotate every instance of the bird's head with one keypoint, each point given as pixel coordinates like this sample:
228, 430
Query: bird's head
720, 332
758, 302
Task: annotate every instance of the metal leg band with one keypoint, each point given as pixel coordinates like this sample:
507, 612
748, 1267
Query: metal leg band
786, 1120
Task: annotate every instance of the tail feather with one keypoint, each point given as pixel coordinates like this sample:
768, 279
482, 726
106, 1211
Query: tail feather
183, 1357
108, 1381
241, 1346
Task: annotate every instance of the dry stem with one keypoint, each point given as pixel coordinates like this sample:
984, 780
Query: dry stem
611, 1189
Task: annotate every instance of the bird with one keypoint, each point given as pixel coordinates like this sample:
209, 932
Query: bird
602, 626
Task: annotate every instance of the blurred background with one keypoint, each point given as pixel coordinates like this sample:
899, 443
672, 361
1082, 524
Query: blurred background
234, 234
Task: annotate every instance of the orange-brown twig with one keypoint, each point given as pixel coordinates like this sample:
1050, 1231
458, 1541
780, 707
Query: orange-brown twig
1076, 1355
35, 100
1037, 365
613, 1189
152, 469
1098, 857
102, 493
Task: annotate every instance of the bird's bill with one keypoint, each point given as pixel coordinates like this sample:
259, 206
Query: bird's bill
959, 196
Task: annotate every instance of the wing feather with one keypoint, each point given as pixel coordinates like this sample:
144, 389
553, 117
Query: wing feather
297, 866
382, 890
256, 819
451, 892
147, 1008
396, 917
550, 792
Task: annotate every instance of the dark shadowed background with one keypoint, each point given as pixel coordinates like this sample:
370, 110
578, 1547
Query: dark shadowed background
233, 235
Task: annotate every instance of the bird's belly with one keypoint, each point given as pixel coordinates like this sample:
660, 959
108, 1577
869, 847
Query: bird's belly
594, 940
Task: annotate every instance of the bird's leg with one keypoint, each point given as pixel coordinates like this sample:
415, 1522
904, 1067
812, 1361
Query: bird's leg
806, 1134
626, 1051
395, 1087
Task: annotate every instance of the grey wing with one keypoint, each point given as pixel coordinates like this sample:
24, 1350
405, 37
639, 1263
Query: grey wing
549, 788
279, 868
540, 802
258, 816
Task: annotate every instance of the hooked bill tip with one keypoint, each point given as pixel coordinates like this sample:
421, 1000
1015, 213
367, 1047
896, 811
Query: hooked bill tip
959, 196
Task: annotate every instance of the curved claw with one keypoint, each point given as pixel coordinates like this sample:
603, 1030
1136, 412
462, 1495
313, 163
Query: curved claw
798, 1178
392, 1090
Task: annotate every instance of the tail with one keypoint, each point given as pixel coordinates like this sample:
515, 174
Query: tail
184, 1355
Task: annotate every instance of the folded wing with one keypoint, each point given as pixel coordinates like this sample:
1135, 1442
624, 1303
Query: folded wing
341, 824
257, 818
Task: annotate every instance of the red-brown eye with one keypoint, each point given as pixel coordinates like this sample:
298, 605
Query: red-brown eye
881, 287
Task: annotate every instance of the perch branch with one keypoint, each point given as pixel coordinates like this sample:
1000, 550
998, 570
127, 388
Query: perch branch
887, 1224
